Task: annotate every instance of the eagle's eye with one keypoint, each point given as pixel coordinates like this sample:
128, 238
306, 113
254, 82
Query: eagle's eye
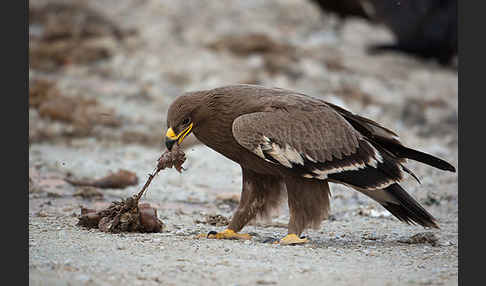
185, 121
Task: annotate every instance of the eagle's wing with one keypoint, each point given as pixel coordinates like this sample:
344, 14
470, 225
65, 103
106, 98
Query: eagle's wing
388, 140
317, 142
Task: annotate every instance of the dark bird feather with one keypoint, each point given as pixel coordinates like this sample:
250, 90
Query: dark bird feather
408, 210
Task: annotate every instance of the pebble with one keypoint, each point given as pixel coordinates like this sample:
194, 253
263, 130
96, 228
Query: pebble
42, 214
180, 232
446, 243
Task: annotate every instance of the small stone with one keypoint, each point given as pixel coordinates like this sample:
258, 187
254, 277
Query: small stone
180, 232
41, 214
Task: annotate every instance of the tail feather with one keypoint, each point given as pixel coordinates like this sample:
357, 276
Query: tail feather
408, 210
389, 140
404, 152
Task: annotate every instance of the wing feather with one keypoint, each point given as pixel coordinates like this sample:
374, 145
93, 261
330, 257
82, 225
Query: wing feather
316, 143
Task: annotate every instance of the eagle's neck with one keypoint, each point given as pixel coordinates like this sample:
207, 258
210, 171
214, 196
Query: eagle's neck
214, 129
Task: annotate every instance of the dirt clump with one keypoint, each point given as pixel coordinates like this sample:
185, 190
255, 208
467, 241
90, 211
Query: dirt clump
214, 219
129, 215
88, 193
119, 180
422, 237
124, 216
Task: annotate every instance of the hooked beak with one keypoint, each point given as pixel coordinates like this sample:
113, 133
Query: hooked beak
171, 138
169, 143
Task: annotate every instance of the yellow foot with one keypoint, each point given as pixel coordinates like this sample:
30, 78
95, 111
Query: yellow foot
228, 234
291, 239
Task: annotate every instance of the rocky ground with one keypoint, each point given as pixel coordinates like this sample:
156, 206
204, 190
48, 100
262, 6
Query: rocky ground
102, 75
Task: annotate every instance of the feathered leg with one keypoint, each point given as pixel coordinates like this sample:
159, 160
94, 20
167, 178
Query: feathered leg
260, 194
308, 205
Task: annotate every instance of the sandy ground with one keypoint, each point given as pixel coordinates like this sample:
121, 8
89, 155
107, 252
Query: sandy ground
179, 46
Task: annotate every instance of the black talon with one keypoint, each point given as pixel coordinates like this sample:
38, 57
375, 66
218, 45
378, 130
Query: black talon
211, 232
269, 240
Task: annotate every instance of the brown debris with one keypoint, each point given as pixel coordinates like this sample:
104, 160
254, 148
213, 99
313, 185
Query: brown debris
129, 215
125, 216
214, 219
246, 44
88, 193
63, 108
277, 57
172, 159
118, 180
422, 237
41, 91
79, 111
89, 218
148, 218
68, 20
66, 33
83, 114
51, 56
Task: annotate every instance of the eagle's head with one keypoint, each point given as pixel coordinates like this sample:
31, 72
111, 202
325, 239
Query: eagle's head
183, 116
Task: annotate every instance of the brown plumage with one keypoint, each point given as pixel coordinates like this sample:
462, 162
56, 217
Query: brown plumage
290, 143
